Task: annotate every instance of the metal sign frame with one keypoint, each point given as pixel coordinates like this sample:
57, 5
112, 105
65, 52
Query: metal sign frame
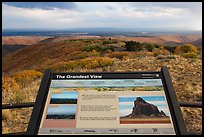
178, 121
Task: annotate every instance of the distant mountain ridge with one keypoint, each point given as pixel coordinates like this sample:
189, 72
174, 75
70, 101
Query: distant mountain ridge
22, 40
160, 39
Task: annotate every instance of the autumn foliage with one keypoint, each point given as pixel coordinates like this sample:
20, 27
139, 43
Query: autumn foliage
187, 50
87, 63
27, 76
9, 89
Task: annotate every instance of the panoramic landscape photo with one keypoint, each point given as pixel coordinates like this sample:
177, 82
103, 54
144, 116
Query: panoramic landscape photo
56, 112
143, 110
64, 97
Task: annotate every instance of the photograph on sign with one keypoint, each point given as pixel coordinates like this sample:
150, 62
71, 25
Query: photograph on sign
64, 97
143, 110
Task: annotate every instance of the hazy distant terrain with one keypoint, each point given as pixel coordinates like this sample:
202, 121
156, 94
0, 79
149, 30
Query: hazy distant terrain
161, 39
23, 40
13, 43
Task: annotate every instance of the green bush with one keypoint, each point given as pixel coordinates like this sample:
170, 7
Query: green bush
149, 46
171, 49
98, 48
92, 47
133, 46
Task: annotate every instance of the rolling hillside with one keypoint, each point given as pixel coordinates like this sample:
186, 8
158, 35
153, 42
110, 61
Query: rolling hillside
22, 40
13, 43
22, 70
30, 40
35, 56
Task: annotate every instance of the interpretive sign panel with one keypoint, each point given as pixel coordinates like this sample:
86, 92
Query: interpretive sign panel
108, 103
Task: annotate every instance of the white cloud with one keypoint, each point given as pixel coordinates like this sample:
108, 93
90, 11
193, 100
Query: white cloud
125, 112
104, 15
38, 18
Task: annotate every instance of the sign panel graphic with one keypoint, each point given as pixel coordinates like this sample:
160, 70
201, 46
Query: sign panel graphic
106, 104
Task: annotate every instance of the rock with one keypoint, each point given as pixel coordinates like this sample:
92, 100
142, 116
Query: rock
144, 109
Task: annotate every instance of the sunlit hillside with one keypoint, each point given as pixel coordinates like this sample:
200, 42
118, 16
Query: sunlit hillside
23, 70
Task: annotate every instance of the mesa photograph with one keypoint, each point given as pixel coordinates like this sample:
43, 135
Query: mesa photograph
143, 110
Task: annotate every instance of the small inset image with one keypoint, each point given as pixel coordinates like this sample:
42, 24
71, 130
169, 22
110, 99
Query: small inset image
61, 112
143, 110
64, 98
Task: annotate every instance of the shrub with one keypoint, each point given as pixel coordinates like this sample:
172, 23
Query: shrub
171, 49
118, 55
77, 55
26, 77
157, 46
109, 51
160, 52
106, 48
185, 49
82, 55
92, 63
70, 65
105, 42
98, 48
95, 53
105, 62
92, 47
133, 46
21, 97
148, 46
9, 89
149, 54
87, 63
189, 55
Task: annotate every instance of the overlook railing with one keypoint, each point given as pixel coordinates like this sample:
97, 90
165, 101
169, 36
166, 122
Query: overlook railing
31, 104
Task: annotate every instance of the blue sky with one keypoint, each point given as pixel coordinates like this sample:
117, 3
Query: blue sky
65, 95
127, 103
62, 109
66, 15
